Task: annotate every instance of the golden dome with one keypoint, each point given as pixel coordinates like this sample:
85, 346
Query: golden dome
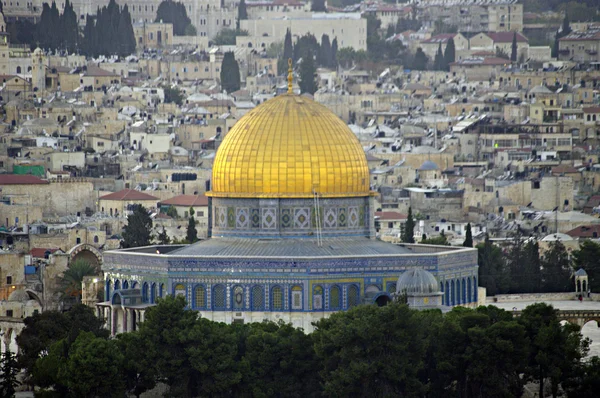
290, 147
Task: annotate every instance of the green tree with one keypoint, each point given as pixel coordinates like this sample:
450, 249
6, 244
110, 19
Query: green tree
408, 235
173, 95
324, 57
438, 240
513, 52
175, 13
8, 377
139, 374
138, 231
346, 56
588, 258
172, 212
308, 71
72, 278
163, 238
492, 268
438, 62
318, 6
586, 382
556, 269
500, 53
230, 73
69, 28
226, 37
449, 54
393, 338
420, 60
554, 350
468, 237
125, 33
334, 50
242, 13
192, 233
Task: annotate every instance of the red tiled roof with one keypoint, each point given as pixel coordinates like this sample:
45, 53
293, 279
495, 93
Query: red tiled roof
390, 215
186, 200
585, 231
506, 37
128, 194
591, 109
443, 38
17, 179
40, 252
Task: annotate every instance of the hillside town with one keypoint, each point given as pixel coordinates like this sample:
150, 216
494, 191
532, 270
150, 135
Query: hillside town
479, 121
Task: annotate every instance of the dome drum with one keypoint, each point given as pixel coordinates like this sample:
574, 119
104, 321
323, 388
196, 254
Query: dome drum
293, 218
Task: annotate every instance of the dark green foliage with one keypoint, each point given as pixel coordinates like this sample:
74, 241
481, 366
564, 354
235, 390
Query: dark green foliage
492, 273
513, 48
172, 212
437, 240
230, 73
308, 71
318, 6
69, 30
324, 58
586, 381
192, 232
110, 33
468, 237
334, 50
226, 37
242, 13
9, 370
173, 95
163, 238
137, 232
588, 258
139, 374
371, 351
420, 61
449, 54
408, 235
438, 62
556, 269
175, 13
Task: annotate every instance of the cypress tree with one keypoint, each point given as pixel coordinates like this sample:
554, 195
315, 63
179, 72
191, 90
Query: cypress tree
175, 13
230, 73
420, 61
468, 237
191, 233
449, 54
325, 51
408, 236
70, 29
308, 83
242, 13
10, 371
438, 63
126, 32
513, 53
55, 28
288, 52
44, 28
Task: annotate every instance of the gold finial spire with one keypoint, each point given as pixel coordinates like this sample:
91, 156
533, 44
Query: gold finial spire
290, 76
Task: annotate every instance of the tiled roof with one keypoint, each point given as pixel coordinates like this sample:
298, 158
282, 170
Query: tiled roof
585, 231
443, 38
506, 37
40, 252
186, 200
591, 109
390, 215
128, 195
17, 179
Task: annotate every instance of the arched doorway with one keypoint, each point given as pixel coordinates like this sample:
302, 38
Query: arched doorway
87, 253
383, 300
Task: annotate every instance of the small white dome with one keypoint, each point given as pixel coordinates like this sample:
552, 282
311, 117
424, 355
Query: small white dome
416, 282
557, 236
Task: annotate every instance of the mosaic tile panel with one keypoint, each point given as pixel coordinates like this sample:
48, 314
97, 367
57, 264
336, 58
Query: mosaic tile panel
353, 217
221, 217
330, 218
286, 218
231, 217
269, 218
255, 218
301, 218
242, 220
342, 218
361, 216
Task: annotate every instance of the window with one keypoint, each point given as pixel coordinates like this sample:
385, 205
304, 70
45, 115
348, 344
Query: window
335, 301
9, 313
238, 298
297, 298
318, 298
353, 299
95, 239
200, 214
199, 297
219, 297
78, 240
180, 290
277, 299
258, 298
9, 280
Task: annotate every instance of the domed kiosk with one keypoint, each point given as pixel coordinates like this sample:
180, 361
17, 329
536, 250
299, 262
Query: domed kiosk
292, 231
421, 289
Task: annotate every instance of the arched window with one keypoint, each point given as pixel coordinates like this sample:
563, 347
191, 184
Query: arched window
442, 290
95, 239
161, 290
277, 299
464, 291
108, 290
335, 299
238, 298
154, 293
125, 285
475, 292
219, 297
134, 285
353, 296
179, 290
297, 297
145, 292
117, 285
469, 291
457, 292
258, 298
200, 297
452, 294
391, 287
447, 294
18, 69
317, 298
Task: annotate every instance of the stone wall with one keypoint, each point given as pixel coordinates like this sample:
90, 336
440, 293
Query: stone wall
504, 298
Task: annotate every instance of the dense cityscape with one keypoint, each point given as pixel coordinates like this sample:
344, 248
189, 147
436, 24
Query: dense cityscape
290, 198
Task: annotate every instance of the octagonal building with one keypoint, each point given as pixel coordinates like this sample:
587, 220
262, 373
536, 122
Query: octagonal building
293, 234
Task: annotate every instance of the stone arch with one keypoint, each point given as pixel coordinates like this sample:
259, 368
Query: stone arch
35, 296
382, 299
86, 252
125, 284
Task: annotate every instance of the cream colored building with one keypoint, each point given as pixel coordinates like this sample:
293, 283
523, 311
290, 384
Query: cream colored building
153, 35
122, 202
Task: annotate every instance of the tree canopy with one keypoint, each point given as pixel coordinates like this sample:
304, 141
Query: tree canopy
175, 13
138, 231
230, 73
